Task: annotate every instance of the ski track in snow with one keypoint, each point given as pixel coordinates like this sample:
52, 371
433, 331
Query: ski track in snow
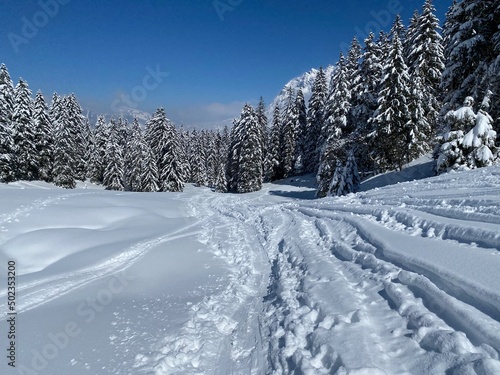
335, 286
340, 298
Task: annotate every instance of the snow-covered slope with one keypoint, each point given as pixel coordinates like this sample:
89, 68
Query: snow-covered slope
396, 280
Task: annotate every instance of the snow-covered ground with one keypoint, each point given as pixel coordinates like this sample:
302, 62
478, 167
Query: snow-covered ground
402, 279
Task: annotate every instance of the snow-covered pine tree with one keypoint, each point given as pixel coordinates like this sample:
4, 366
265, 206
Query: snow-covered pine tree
301, 127
133, 158
198, 160
79, 134
426, 62
337, 183
172, 172
393, 114
233, 156
250, 160
150, 181
44, 138
63, 171
315, 119
272, 167
351, 174
7, 151
24, 133
327, 168
398, 29
185, 142
263, 123
474, 149
220, 180
337, 109
98, 155
370, 73
114, 170
288, 136
468, 36
354, 85
164, 141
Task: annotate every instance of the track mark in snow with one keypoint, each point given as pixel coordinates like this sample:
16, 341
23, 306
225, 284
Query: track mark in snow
43, 291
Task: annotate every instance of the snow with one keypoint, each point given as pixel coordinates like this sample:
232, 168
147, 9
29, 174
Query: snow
401, 278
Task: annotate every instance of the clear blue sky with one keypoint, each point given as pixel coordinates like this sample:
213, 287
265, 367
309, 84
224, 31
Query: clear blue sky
218, 54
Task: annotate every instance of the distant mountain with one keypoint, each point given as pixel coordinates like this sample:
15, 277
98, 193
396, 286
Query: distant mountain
127, 114
304, 82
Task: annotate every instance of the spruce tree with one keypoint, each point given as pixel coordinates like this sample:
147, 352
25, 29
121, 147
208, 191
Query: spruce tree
426, 65
164, 141
133, 157
337, 184
64, 157
150, 181
220, 180
44, 138
7, 150
98, 154
288, 136
114, 169
250, 160
24, 133
273, 168
263, 124
301, 128
468, 37
315, 118
76, 122
393, 114
233, 156
351, 174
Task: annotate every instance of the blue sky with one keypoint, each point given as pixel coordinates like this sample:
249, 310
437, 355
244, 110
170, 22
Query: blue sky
200, 59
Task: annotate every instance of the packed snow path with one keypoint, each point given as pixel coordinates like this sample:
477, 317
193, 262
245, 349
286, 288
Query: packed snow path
398, 280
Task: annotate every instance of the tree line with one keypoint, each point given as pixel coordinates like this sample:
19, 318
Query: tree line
403, 94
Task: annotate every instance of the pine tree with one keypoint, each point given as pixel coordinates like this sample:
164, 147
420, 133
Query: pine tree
337, 184
164, 141
44, 138
172, 171
76, 122
301, 128
114, 170
64, 162
371, 75
198, 160
273, 169
398, 30
150, 181
327, 168
468, 37
288, 136
220, 180
263, 124
338, 106
250, 160
24, 133
98, 154
7, 151
315, 118
351, 174
426, 65
354, 83
393, 113
133, 158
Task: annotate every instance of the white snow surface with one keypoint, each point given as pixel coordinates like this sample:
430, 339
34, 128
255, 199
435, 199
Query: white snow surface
401, 279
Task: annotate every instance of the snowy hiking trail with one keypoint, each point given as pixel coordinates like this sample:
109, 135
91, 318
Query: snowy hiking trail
397, 280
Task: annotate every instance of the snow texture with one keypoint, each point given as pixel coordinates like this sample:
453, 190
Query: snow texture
401, 279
